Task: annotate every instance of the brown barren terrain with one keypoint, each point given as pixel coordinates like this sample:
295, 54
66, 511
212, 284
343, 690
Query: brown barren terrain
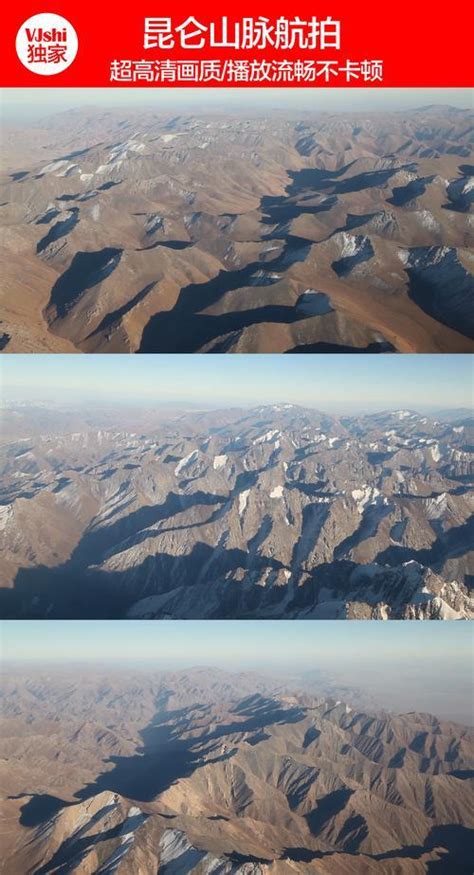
146, 232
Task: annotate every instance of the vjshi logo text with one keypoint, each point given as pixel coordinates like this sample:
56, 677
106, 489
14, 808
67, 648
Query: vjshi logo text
39, 35
46, 44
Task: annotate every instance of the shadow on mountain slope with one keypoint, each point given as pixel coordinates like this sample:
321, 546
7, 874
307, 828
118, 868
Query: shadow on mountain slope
41, 807
165, 756
70, 591
458, 842
453, 543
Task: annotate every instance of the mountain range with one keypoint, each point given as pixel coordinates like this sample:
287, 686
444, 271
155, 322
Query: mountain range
277, 511
138, 231
205, 771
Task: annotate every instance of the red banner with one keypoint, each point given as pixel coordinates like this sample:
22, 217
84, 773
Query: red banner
268, 45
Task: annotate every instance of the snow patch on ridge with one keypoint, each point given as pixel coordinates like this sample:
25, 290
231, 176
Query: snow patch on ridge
365, 496
267, 437
185, 462
243, 498
219, 462
6, 512
277, 492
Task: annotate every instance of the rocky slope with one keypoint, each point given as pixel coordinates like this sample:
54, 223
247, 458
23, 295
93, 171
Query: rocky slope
141, 232
276, 511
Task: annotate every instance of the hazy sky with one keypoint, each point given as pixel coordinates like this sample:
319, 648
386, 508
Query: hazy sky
241, 642
28, 104
404, 666
330, 382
